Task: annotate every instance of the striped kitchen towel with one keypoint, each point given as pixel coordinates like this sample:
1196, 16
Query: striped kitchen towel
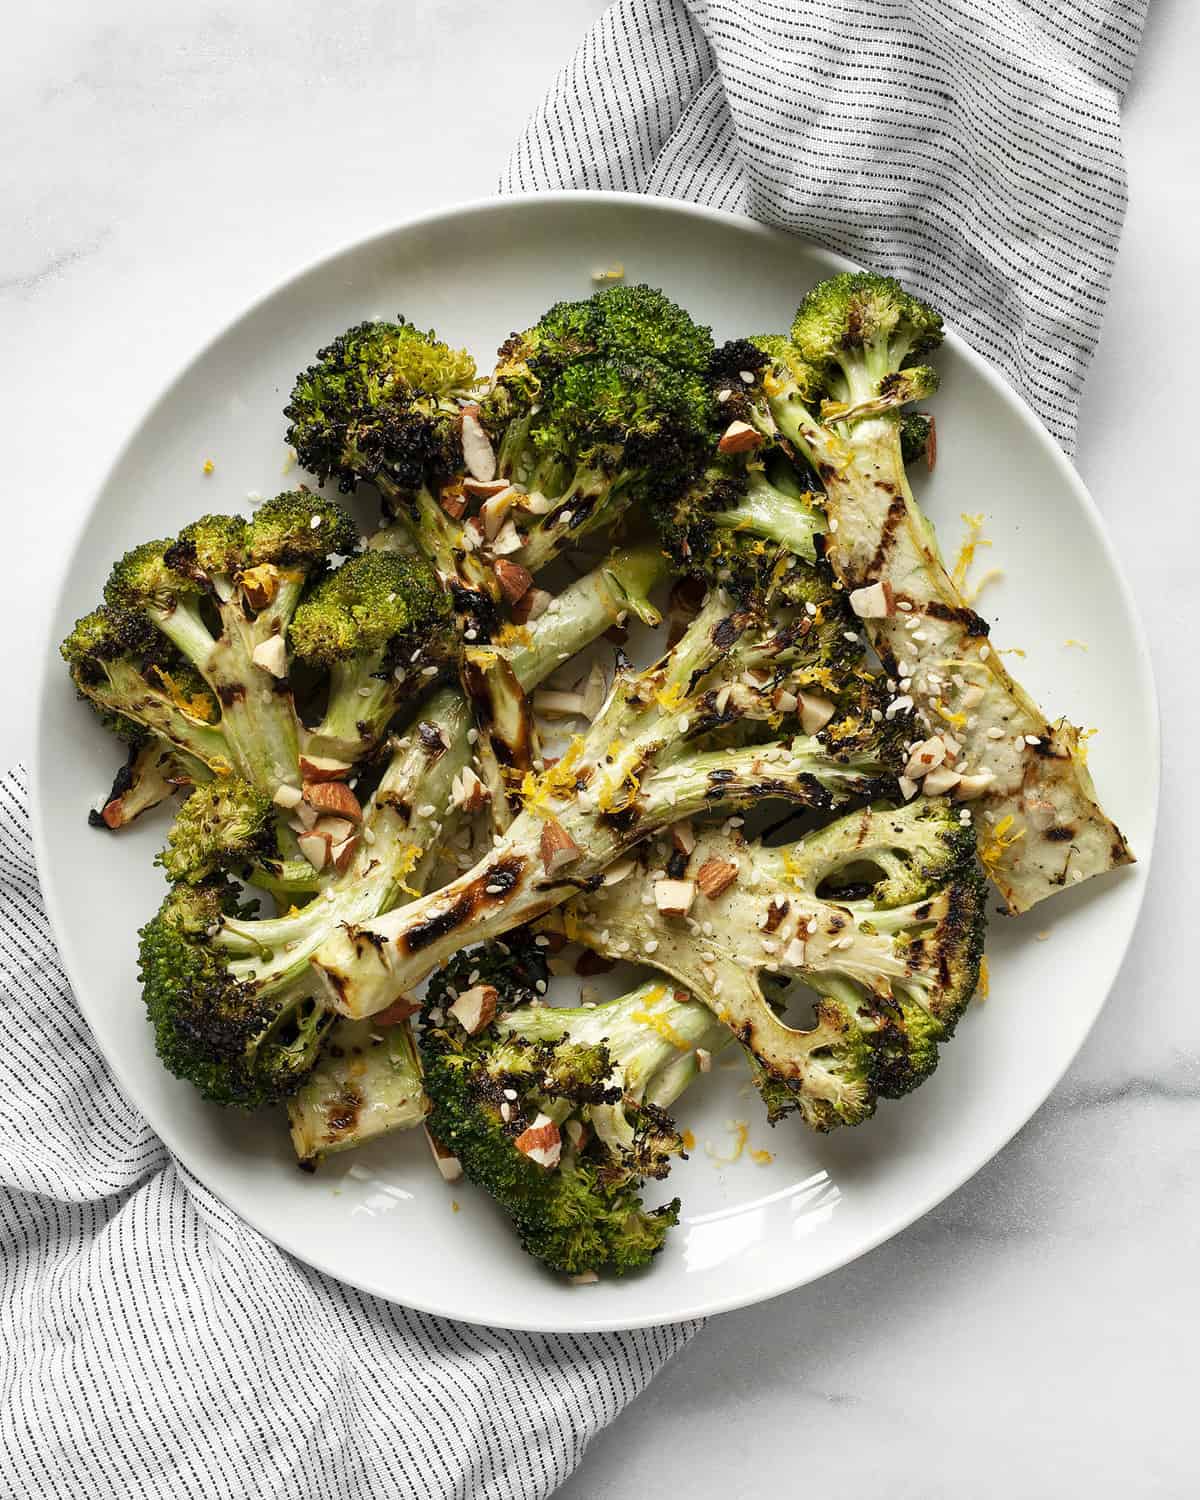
153, 1346
970, 147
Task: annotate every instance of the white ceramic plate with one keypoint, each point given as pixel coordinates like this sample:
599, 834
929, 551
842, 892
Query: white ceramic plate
383, 1220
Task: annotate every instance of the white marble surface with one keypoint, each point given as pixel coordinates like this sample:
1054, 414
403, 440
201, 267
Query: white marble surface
1036, 1334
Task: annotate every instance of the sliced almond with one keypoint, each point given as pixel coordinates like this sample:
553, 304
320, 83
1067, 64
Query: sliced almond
783, 702
815, 712
943, 779
704, 1059
537, 504
303, 817
531, 606
478, 454
287, 796
472, 534
475, 1008
674, 897
494, 511
447, 1163
541, 1142
323, 768
334, 829
260, 585
715, 876
508, 539
271, 656
740, 437
315, 849
682, 837
875, 601
972, 695
514, 580
342, 853
622, 870
334, 798
908, 787
558, 848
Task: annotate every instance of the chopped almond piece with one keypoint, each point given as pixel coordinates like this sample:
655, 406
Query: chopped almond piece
478, 454
558, 848
323, 768
531, 606
682, 837
715, 876
398, 1011
508, 539
674, 897
541, 1142
447, 1163
740, 437
815, 712
973, 786
514, 580
494, 511
453, 502
468, 792
260, 585
334, 829
908, 787
943, 779
287, 796
475, 1008
315, 849
484, 489
622, 870
925, 756
343, 853
271, 656
704, 1059
334, 798
873, 602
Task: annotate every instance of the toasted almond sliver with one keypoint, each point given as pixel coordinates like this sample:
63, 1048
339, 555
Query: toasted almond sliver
475, 1008
674, 897
558, 849
478, 454
715, 876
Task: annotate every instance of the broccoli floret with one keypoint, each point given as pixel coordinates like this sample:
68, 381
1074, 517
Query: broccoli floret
153, 771
602, 404
140, 685
375, 625
881, 914
249, 575
643, 763
242, 1032
224, 825
560, 1115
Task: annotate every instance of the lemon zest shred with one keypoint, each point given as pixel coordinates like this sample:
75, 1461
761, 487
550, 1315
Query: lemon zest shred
991, 854
958, 720
1079, 750
207, 466
1071, 641
741, 1132
965, 561
199, 706
406, 863
514, 635
984, 987
689, 1140
662, 1026
762, 1158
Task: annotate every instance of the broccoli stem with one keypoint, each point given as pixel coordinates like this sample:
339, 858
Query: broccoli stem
589, 502
769, 512
362, 698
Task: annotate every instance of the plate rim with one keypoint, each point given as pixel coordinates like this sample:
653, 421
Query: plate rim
48, 678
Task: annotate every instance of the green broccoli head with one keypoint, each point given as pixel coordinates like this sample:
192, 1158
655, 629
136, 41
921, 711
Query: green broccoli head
858, 329
381, 404
299, 529
224, 825
146, 577
377, 604
214, 546
560, 1114
240, 1042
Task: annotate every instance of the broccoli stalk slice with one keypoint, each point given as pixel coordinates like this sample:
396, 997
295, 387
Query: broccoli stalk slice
605, 796
583, 612
593, 1073
153, 772
508, 739
367, 1083
893, 951
120, 688
854, 341
363, 697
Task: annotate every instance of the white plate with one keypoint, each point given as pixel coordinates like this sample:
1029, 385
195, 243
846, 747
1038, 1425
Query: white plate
749, 1231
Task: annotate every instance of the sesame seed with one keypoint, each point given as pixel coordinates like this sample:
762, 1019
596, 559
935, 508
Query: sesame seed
995, 734
506, 1112
833, 525
510, 1093
315, 522
426, 810
1032, 739
723, 396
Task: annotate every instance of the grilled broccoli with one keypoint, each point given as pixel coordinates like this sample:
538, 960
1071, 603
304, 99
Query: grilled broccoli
560, 1115
602, 404
190, 642
834, 394
637, 769
385, 405
881, 914
153, 771
224, 826
376, 624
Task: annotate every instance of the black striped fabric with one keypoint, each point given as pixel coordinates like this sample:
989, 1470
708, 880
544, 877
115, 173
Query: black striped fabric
153, 1346
970, 147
